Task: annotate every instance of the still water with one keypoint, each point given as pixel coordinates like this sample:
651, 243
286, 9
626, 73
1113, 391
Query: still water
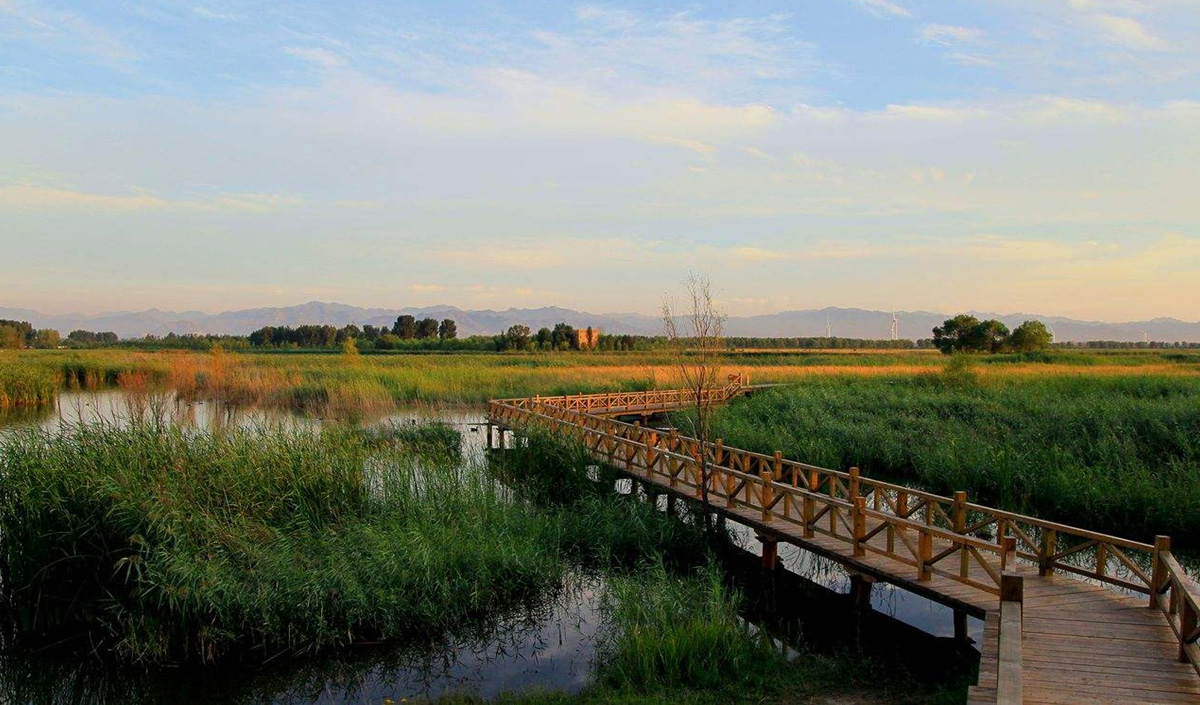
547, 645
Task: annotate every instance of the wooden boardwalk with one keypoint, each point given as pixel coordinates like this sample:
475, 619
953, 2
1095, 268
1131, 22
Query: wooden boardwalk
1071, 615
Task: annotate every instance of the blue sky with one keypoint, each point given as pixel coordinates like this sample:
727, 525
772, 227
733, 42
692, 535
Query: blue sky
1008, 155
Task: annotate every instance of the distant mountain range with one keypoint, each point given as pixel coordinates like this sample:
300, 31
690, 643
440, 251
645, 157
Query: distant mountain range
844, 322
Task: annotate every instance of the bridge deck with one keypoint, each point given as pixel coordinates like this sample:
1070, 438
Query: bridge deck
1079, 639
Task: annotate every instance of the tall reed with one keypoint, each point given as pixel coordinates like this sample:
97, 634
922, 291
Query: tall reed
1119, 454
165, 544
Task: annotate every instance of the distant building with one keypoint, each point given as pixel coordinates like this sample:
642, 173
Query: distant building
586, 338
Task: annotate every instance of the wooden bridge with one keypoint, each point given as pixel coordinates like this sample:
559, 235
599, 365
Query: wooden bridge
1070, 615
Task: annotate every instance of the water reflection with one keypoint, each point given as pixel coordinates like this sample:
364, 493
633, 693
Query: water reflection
547, 645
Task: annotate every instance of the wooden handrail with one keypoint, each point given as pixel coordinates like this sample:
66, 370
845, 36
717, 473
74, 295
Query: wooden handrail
1008, 673
1052, 545
1179, 599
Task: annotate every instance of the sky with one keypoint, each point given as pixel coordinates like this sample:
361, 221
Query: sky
1034, 156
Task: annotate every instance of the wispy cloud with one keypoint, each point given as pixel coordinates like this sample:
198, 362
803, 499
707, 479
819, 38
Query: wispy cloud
317, 56
69, 30
34, 197
881, 8
1130, 33
948, 34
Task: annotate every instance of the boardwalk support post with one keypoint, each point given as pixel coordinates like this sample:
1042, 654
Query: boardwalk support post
770, 552
960, 627
860, 589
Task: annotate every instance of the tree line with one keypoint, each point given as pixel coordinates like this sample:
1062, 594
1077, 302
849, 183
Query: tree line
16, 335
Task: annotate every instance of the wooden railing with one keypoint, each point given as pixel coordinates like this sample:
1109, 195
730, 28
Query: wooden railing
610, 402
974, 542
969, 543
1176, 595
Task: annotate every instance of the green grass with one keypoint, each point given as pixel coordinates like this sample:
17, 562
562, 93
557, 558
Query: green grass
1119, 454
671, 632
159, 543
165, 544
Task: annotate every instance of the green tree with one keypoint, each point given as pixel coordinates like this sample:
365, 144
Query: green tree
427, 328
517, 337
990, 336
405, 328
563, 337
965, 333
1030, 336
47, 339
22, 331
544, 338
955, 335
10, 337
448, 330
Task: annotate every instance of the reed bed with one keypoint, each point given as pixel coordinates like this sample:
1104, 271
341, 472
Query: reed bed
671, 631
339, 385
159, 544
1115, 453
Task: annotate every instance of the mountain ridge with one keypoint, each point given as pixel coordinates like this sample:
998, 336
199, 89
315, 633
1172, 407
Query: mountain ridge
845, 322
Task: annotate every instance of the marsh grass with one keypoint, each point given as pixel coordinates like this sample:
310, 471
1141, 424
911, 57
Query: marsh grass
672, 631
161, 544
328, 384
1120, 453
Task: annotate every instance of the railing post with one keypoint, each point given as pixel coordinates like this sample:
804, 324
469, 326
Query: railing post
777, 467
926, 550
1009, 690
854, 484
860, 525
960, 525
1008, 549
719, 453
810, 505
925, 546
1158, 569
1046, 552
1187, 623
766, 494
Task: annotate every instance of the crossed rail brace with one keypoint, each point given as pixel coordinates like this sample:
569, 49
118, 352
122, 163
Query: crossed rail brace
920, 529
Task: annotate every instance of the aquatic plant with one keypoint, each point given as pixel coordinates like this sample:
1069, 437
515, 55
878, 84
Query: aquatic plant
167, 544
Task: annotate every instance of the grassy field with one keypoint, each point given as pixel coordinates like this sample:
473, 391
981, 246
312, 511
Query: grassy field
335, 384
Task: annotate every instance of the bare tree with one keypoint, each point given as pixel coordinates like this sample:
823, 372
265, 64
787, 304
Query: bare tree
695, 339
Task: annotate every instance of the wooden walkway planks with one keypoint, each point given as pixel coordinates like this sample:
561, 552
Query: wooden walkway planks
1080, 641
